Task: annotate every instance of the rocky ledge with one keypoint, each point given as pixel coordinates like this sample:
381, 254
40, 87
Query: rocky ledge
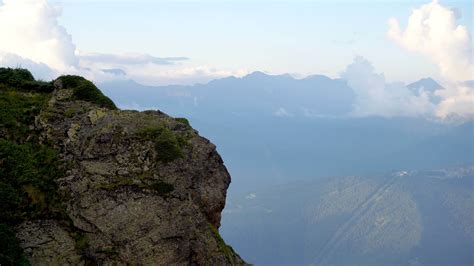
138, 188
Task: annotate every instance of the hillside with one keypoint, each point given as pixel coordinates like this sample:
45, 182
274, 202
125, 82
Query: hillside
83, 182
398, 218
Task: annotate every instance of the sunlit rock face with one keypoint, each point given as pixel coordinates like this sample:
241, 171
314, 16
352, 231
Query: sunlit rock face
138, 188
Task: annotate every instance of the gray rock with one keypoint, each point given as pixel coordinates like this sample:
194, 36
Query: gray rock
128, 206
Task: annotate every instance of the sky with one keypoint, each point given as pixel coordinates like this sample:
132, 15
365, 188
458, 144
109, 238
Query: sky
297, 37
373, 43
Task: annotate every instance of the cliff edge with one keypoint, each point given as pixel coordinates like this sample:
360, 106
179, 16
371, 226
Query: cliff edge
82, 182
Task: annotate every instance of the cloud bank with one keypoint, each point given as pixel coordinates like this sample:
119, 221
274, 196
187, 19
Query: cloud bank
374, 96
434, 32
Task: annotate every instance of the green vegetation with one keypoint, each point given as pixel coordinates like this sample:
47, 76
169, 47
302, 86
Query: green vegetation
28, 170
10, 251
112, 251
82, 241
162, 188
27, 182
168, 145
120, 182
184, 121
85, 90
18, 113
227, 250
22, 79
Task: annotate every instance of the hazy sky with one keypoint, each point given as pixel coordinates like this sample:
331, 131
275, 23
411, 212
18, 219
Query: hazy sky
370, 44
300, 37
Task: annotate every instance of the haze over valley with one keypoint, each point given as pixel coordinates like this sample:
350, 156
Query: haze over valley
345, 128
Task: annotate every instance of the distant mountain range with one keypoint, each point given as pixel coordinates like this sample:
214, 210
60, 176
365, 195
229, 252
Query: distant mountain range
292, 129
254, 94
302, 167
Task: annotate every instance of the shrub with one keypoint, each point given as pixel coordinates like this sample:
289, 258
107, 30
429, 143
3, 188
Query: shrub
10, 251
167, 146
82, 241
184, 121
85, 90
15, 76
162, 188
150, 132
27, 181
10, 199
18, 113
22, 79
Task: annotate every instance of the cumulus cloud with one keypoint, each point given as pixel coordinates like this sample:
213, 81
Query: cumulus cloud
29, 29
458, 102
31, 37
374, 96
41, 70
433, 31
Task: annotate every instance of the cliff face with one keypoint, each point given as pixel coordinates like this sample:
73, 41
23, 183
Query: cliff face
135, 187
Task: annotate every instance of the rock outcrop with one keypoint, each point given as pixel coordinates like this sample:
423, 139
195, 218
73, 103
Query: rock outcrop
138, 188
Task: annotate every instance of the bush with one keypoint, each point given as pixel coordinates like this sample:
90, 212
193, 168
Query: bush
184, 121
150, 132
10, 251
22, 79
15, 76
27, 182
18, 113
10, 199
167, 146
162, 188
85, 90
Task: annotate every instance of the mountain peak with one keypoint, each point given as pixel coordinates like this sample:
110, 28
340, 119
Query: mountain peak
427, 84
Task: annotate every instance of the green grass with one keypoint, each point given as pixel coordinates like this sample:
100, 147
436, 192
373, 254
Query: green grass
184, 121
168, 145
27, 182
18, 113
28, 169
85, 90
22, 79
227, 250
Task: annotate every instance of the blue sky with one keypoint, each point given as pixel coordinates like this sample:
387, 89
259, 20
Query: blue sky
370, 44
303, 37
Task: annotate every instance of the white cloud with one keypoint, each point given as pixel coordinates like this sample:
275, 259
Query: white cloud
29, 29
376, 97
40, 70
458, 102
153, 74
251, 196
433, 31
125, 59
31, 37
282, 112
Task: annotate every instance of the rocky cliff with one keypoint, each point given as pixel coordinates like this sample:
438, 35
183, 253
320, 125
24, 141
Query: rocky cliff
82, 182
